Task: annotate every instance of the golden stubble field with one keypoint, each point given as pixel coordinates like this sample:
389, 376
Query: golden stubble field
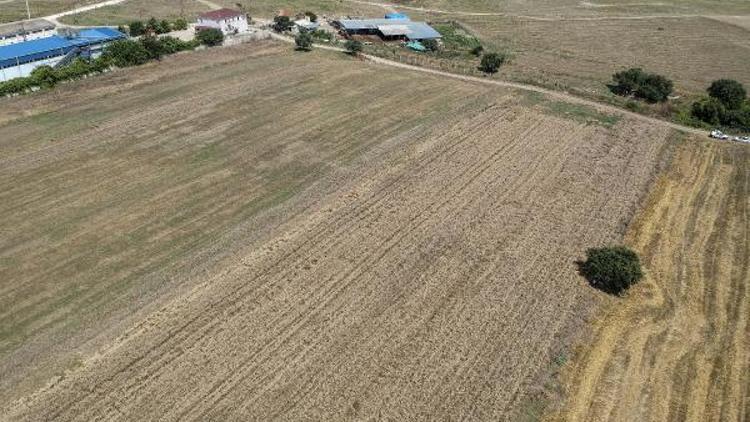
249, 233
678, 347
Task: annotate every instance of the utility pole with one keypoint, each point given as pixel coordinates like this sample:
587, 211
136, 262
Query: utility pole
28, 10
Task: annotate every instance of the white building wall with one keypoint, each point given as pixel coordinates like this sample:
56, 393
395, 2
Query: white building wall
28, 37
226, 26
25, 69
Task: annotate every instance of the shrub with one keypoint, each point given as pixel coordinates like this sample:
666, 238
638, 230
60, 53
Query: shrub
491, 62
123, 53
164, 27
639, 84
44, 76
282, 24
431, 45
477, 51
738, 119
730, 92
303, 41
709, 110
171, 45
353, 47
180, 24
153, 46
313, 17
612, 269
136, 29
210, 37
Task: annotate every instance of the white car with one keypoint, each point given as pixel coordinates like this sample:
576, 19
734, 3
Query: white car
718, 134
745, 139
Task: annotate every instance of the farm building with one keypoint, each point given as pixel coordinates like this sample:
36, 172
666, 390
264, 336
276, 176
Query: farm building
394, 26
12, 33
20, 59
228, 21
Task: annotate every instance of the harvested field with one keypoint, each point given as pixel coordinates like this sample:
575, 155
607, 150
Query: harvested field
130, 10
120, 188
678, 347
411, 263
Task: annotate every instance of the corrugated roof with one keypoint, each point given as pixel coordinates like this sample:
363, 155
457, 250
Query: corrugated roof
220, 14
392, 27
28, 51
18, 28
359, 24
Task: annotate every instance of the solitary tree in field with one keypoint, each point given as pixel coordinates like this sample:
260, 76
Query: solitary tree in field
353, 47
612, 269
730, 92
303, 41
491, 62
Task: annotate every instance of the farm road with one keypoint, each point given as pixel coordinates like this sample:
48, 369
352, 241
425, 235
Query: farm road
515, 85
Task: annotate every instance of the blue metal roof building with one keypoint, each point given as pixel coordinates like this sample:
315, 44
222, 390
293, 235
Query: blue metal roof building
42, 49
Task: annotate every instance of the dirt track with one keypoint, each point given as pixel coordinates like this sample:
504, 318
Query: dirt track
437, 282
678, 348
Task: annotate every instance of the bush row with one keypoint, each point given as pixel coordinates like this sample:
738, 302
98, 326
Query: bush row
154, 26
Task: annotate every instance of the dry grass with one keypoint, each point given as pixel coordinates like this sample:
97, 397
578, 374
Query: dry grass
123, 13
336, 253
677, 348
691, 51
13, 10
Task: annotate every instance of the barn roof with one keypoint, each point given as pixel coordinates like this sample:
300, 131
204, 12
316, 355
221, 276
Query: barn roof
28, 51
392, 27
220, 14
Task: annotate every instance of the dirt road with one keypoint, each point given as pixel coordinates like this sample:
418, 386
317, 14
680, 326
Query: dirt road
678, 348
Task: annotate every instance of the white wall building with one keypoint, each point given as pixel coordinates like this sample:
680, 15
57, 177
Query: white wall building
227, 21
16, 32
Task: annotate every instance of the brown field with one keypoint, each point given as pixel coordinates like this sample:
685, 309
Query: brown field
676, 349
249, 233
13, 10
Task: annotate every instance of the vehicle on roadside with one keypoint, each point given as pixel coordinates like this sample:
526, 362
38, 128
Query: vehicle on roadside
717, 134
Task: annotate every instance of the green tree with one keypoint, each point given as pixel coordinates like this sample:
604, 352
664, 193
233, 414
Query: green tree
164, 27
153, 26
210, 37
136, 28
639, 84
282, 24
730, 92
709, 110
303, 41
353, 47
45, 76
180, 24
491, 62
612, 269
124, 53
430, 45
153, 46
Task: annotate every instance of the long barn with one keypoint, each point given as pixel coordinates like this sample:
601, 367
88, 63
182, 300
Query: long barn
20, 59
